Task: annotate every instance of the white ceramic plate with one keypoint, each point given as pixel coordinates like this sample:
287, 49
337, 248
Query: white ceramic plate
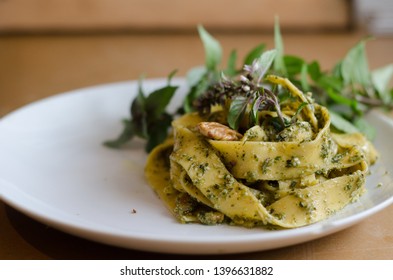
54, 168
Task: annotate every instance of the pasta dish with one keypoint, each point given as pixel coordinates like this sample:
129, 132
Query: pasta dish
284, 168
277, 143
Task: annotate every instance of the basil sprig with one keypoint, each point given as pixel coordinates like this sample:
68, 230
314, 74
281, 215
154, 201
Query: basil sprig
348, 90
149, 119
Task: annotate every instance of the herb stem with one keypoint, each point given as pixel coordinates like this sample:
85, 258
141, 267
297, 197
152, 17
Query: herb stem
372, 102
276, 106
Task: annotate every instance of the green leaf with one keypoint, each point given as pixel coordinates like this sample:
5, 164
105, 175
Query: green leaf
340, 99
330, 82
171, 75
366, 128
236, 111
381, 78
138, 113
195, 75
263, 63
138, 104
279, 64
336, 71
354, 67
158, 131
126, 135
304, 77
194, 92
341, 123
255, 110
213, 51
293, 64
148, 117
189, 99
254, 54
314, 70
158, 100
231, 65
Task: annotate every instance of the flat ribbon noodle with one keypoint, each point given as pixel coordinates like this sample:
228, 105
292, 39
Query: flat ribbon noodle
307, 179
257, 160
206, 177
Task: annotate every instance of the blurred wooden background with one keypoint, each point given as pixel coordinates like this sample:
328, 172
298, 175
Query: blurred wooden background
53, 46
172, 15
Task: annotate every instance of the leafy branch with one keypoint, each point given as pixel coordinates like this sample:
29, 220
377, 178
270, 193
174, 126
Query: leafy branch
242, 95
348, 90
149, 119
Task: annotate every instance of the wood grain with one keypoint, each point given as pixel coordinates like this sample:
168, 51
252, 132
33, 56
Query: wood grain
77, 15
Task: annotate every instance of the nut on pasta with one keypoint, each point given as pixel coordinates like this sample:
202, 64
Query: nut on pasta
217, 131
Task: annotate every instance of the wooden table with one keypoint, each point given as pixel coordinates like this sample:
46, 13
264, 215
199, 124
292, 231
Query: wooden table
36, 66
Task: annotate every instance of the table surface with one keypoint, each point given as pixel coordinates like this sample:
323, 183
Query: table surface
36, 66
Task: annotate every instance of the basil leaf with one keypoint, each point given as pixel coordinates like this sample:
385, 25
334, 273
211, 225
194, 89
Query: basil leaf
293, 64
354, 67
194, 75
304, 77
314, 70
213, 51
340, 99
231, 66
236, 111
279, 64
138, 113
158, 100
194, 92
332, 82
148, 117
365, 128
336, 71
171, 75
137, 108
126, 135
263, 63
254, 54
158, 131
341, 123
199, 79
381, 78
254, 110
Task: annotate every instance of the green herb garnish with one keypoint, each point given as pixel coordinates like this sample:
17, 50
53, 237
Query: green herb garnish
149, 119
348, 90
245, 95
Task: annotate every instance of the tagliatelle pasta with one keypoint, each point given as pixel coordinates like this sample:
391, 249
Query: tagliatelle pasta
289, 178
